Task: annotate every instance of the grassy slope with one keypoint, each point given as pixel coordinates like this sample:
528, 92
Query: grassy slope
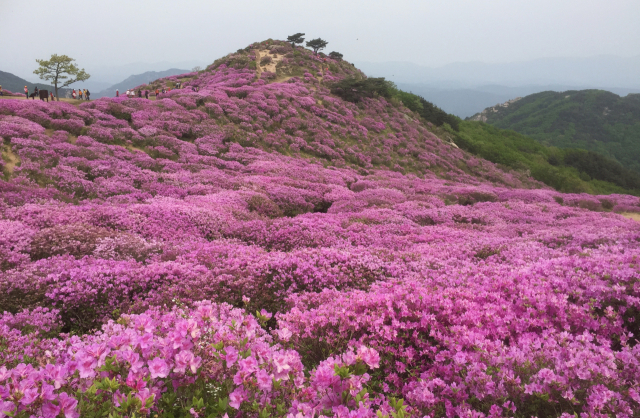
593, 120
559, 168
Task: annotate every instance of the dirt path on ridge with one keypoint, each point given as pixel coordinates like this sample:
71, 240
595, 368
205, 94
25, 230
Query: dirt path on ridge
258, 57
271, 67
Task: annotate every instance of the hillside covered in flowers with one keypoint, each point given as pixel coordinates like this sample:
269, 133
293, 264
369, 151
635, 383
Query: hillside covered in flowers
253, 245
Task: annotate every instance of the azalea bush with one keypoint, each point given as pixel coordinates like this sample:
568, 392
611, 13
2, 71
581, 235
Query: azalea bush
267, 249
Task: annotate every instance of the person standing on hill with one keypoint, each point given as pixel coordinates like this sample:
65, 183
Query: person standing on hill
26, 91
51, 94
1, 92
73, 93
87, 94
157, 93
79, 94
117, 93
35, 90
127, 93
140, 94
146, 94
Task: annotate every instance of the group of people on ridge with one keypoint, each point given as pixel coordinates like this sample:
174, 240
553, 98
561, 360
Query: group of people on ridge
131, 93
36, 92
80, 94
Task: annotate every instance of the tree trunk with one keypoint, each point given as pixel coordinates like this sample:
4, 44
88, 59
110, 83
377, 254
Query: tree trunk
55, 82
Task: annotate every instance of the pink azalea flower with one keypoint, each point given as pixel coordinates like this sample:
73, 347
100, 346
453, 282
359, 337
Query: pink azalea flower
284, 334
86, 366
264, 380
231, 356
248, 365
50, 410
238, 396
158, 368
182, 361
68, 405
369, 356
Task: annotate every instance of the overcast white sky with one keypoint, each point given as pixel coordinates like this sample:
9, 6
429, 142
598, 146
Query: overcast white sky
428, 32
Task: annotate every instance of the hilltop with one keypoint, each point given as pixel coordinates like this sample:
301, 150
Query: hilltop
283, 236
593, 120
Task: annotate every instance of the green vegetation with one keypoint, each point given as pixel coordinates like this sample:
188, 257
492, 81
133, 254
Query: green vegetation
428, 111
566, 170
593, 120
355, 89
60, 71
317, 44
295, 39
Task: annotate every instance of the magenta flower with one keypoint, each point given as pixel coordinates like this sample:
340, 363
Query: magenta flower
50, 410
284, 334
248, 365
68, 405
265, 381
238, 396
158, 368
86, 366
186, 359
6, 408
231, 355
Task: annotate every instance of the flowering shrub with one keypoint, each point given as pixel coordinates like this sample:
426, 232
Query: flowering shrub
249, 247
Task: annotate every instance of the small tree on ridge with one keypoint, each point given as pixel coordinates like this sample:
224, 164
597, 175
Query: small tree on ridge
317, 44
296, 39
336, 56
60, 69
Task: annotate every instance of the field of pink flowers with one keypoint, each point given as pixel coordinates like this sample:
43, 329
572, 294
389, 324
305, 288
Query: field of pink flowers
265, 249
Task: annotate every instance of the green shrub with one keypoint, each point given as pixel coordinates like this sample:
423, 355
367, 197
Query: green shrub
354, 90
265, 60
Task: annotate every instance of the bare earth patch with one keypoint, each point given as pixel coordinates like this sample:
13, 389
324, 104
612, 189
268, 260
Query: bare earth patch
271, 67
10, 159
631, 215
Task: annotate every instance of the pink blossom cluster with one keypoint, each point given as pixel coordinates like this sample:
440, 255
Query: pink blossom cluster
156, 355
266, 249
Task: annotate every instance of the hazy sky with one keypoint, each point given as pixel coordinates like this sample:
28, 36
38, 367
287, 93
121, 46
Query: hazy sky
428, 32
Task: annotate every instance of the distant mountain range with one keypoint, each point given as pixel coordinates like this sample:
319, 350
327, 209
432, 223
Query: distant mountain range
593, 120
465, 102
464, 89
16, 84
136, 80
603, 71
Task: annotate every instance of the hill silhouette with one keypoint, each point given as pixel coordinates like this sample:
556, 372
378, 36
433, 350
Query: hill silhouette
593, 120
136, 80
16, 84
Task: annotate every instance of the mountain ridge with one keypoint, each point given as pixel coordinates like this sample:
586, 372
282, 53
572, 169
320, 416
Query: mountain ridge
136, 80
16, 84
594, 120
